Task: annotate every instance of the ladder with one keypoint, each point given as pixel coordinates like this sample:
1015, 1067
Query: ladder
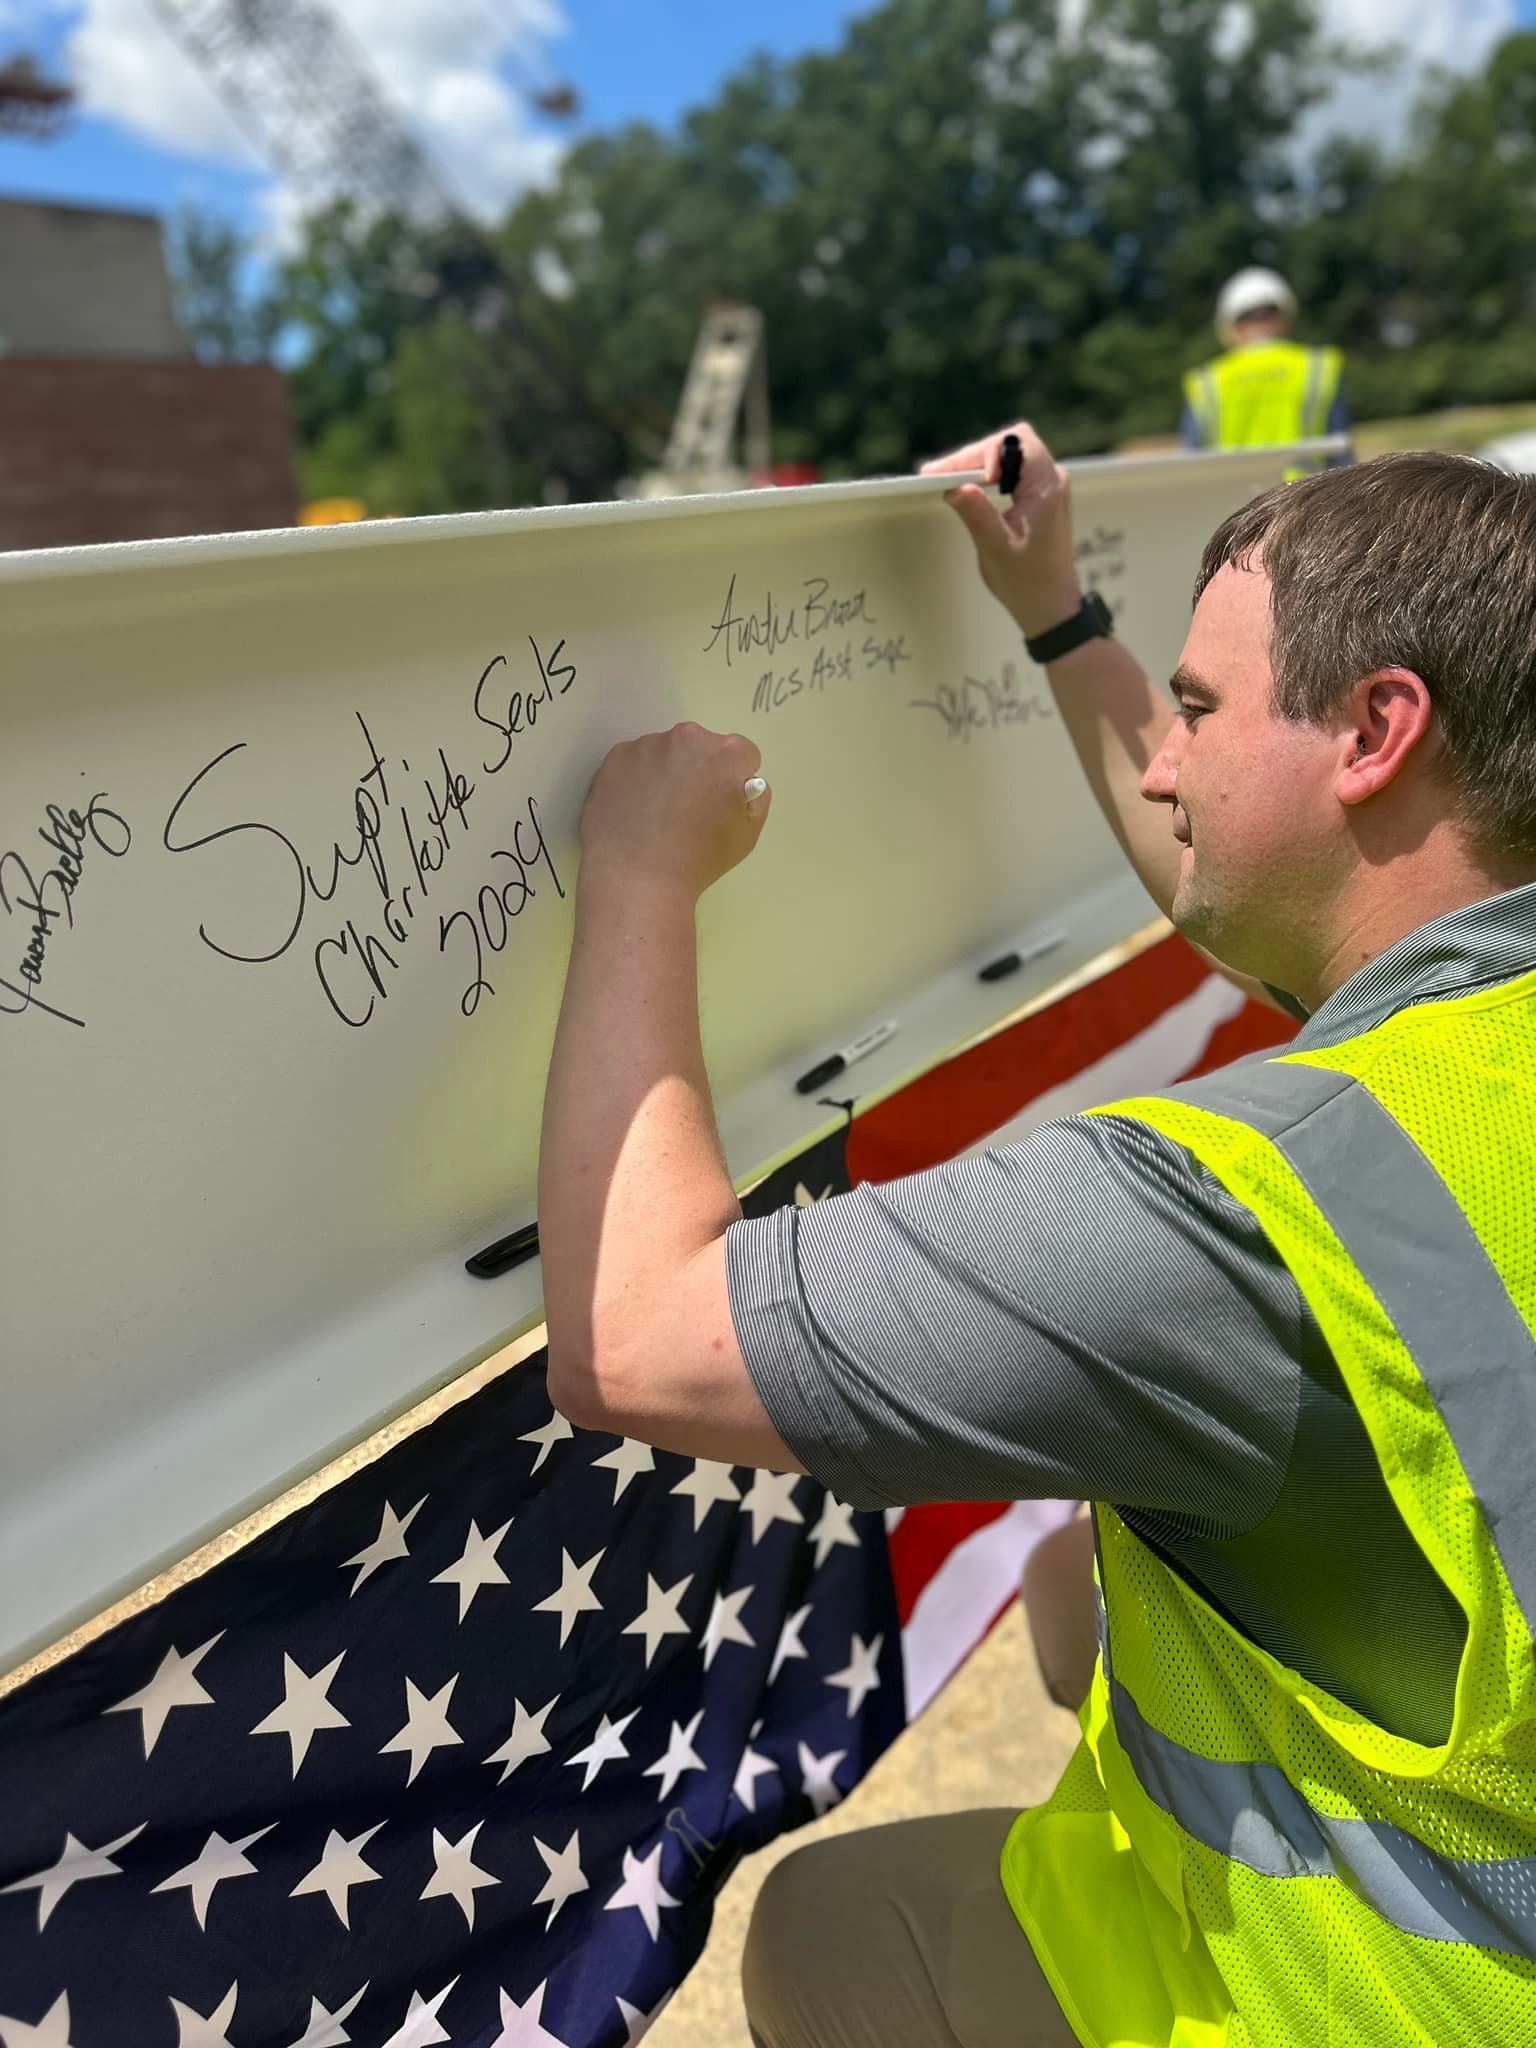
728, 376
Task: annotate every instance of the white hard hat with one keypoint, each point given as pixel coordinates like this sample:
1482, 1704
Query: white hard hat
1246, 292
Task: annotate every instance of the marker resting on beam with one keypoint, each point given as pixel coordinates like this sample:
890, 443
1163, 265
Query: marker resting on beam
827, 1069
1010, 963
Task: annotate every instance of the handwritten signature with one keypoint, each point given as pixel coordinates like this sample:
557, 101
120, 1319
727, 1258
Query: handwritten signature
46, 898
821, 610
982, 704
401, 841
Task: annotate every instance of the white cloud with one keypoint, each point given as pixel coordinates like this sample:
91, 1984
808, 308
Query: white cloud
1457, 34
457, 71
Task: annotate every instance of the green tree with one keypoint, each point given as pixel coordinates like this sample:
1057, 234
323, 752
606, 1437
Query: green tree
224, 310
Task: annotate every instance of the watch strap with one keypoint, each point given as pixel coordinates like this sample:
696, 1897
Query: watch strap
1092, 620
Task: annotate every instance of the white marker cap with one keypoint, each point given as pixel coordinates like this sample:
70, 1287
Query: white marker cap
755, 787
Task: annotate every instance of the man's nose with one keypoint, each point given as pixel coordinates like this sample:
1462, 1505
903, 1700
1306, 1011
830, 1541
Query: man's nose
1157, 784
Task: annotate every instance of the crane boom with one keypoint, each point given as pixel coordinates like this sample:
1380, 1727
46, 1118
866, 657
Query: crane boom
296, 80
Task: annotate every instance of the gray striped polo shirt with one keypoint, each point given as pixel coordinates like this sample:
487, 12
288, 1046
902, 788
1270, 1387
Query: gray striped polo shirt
1088, 1314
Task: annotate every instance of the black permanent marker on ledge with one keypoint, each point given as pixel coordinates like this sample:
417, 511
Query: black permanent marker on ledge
835, 1062
1010, 963
505, 1253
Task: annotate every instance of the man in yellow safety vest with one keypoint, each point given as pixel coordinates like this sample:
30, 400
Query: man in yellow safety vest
1278, 1324
1265, 388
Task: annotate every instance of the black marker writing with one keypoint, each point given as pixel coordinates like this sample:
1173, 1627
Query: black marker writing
499, 902
522, 707
981, 705
65, 834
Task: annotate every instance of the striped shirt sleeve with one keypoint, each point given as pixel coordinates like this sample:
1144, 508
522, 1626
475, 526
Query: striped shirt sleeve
1085, 1314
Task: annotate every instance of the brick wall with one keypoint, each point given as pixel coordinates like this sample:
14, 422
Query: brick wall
97, 450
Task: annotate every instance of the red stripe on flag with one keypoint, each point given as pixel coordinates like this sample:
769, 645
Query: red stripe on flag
1255, 1028
925, 1536
944, 1111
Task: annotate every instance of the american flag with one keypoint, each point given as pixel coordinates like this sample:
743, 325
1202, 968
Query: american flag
463, 1750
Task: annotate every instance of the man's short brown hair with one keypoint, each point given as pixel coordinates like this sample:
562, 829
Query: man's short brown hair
1421, 561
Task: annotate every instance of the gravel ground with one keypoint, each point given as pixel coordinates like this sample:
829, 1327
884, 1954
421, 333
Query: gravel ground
991, 1738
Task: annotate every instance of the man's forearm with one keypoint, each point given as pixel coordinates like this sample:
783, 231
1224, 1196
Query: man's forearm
1117, 720
632, 1180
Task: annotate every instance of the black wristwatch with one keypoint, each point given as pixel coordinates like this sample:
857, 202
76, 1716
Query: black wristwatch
1092, 621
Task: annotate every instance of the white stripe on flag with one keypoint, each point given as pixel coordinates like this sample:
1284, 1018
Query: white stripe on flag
968, 1592
1152, 1059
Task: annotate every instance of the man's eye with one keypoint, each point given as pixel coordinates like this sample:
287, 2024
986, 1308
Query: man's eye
1190, 712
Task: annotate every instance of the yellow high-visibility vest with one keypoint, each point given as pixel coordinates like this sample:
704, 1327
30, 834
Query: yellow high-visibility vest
1235, 1858
1264, 394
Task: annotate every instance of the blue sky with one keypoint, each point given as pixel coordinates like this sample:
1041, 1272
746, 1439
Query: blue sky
609, 49
151, 135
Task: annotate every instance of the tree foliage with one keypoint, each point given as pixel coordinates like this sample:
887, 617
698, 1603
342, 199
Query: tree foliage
962, 213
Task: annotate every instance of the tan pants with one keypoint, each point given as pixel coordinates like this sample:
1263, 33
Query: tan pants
897, 1937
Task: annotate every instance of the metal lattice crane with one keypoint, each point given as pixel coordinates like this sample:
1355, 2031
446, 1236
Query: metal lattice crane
298, 82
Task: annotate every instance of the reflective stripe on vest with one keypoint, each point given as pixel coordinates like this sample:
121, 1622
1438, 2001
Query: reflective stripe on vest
1469, 1342
1207, 409
1254, 1815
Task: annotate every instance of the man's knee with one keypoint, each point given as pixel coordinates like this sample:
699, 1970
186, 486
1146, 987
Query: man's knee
790, 1908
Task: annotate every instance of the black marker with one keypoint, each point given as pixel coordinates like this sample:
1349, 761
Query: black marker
1013, 464
1010, 963
834, 1063
505, 1253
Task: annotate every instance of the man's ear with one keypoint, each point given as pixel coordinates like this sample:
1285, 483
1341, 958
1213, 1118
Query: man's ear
1391, 724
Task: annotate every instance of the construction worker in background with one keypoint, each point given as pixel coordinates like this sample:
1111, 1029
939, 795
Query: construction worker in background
1265, 389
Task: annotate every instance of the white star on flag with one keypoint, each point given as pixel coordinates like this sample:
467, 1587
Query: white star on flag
304, 1709
790, 1644
477, 1567
804, 1199
340, 1867
527, 1739
606, 1747
565, 1875
725, 1625
458, 1876
76, 1863
51, 2031
816, 1776
217, 1860
643, 1889
421, 2027
706, 1484
636, 2022
770, 1499
679, 1756
325, 2029
389, 1544
859, 1676
199, 2030
426, 1725
575, 1595
752, 1767
627, 1461
833, 1526
555, 1431
522, 2026
660, 1617
173, 1685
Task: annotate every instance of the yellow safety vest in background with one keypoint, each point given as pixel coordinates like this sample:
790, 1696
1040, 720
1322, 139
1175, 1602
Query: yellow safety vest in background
1234, 1857
1264, 394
